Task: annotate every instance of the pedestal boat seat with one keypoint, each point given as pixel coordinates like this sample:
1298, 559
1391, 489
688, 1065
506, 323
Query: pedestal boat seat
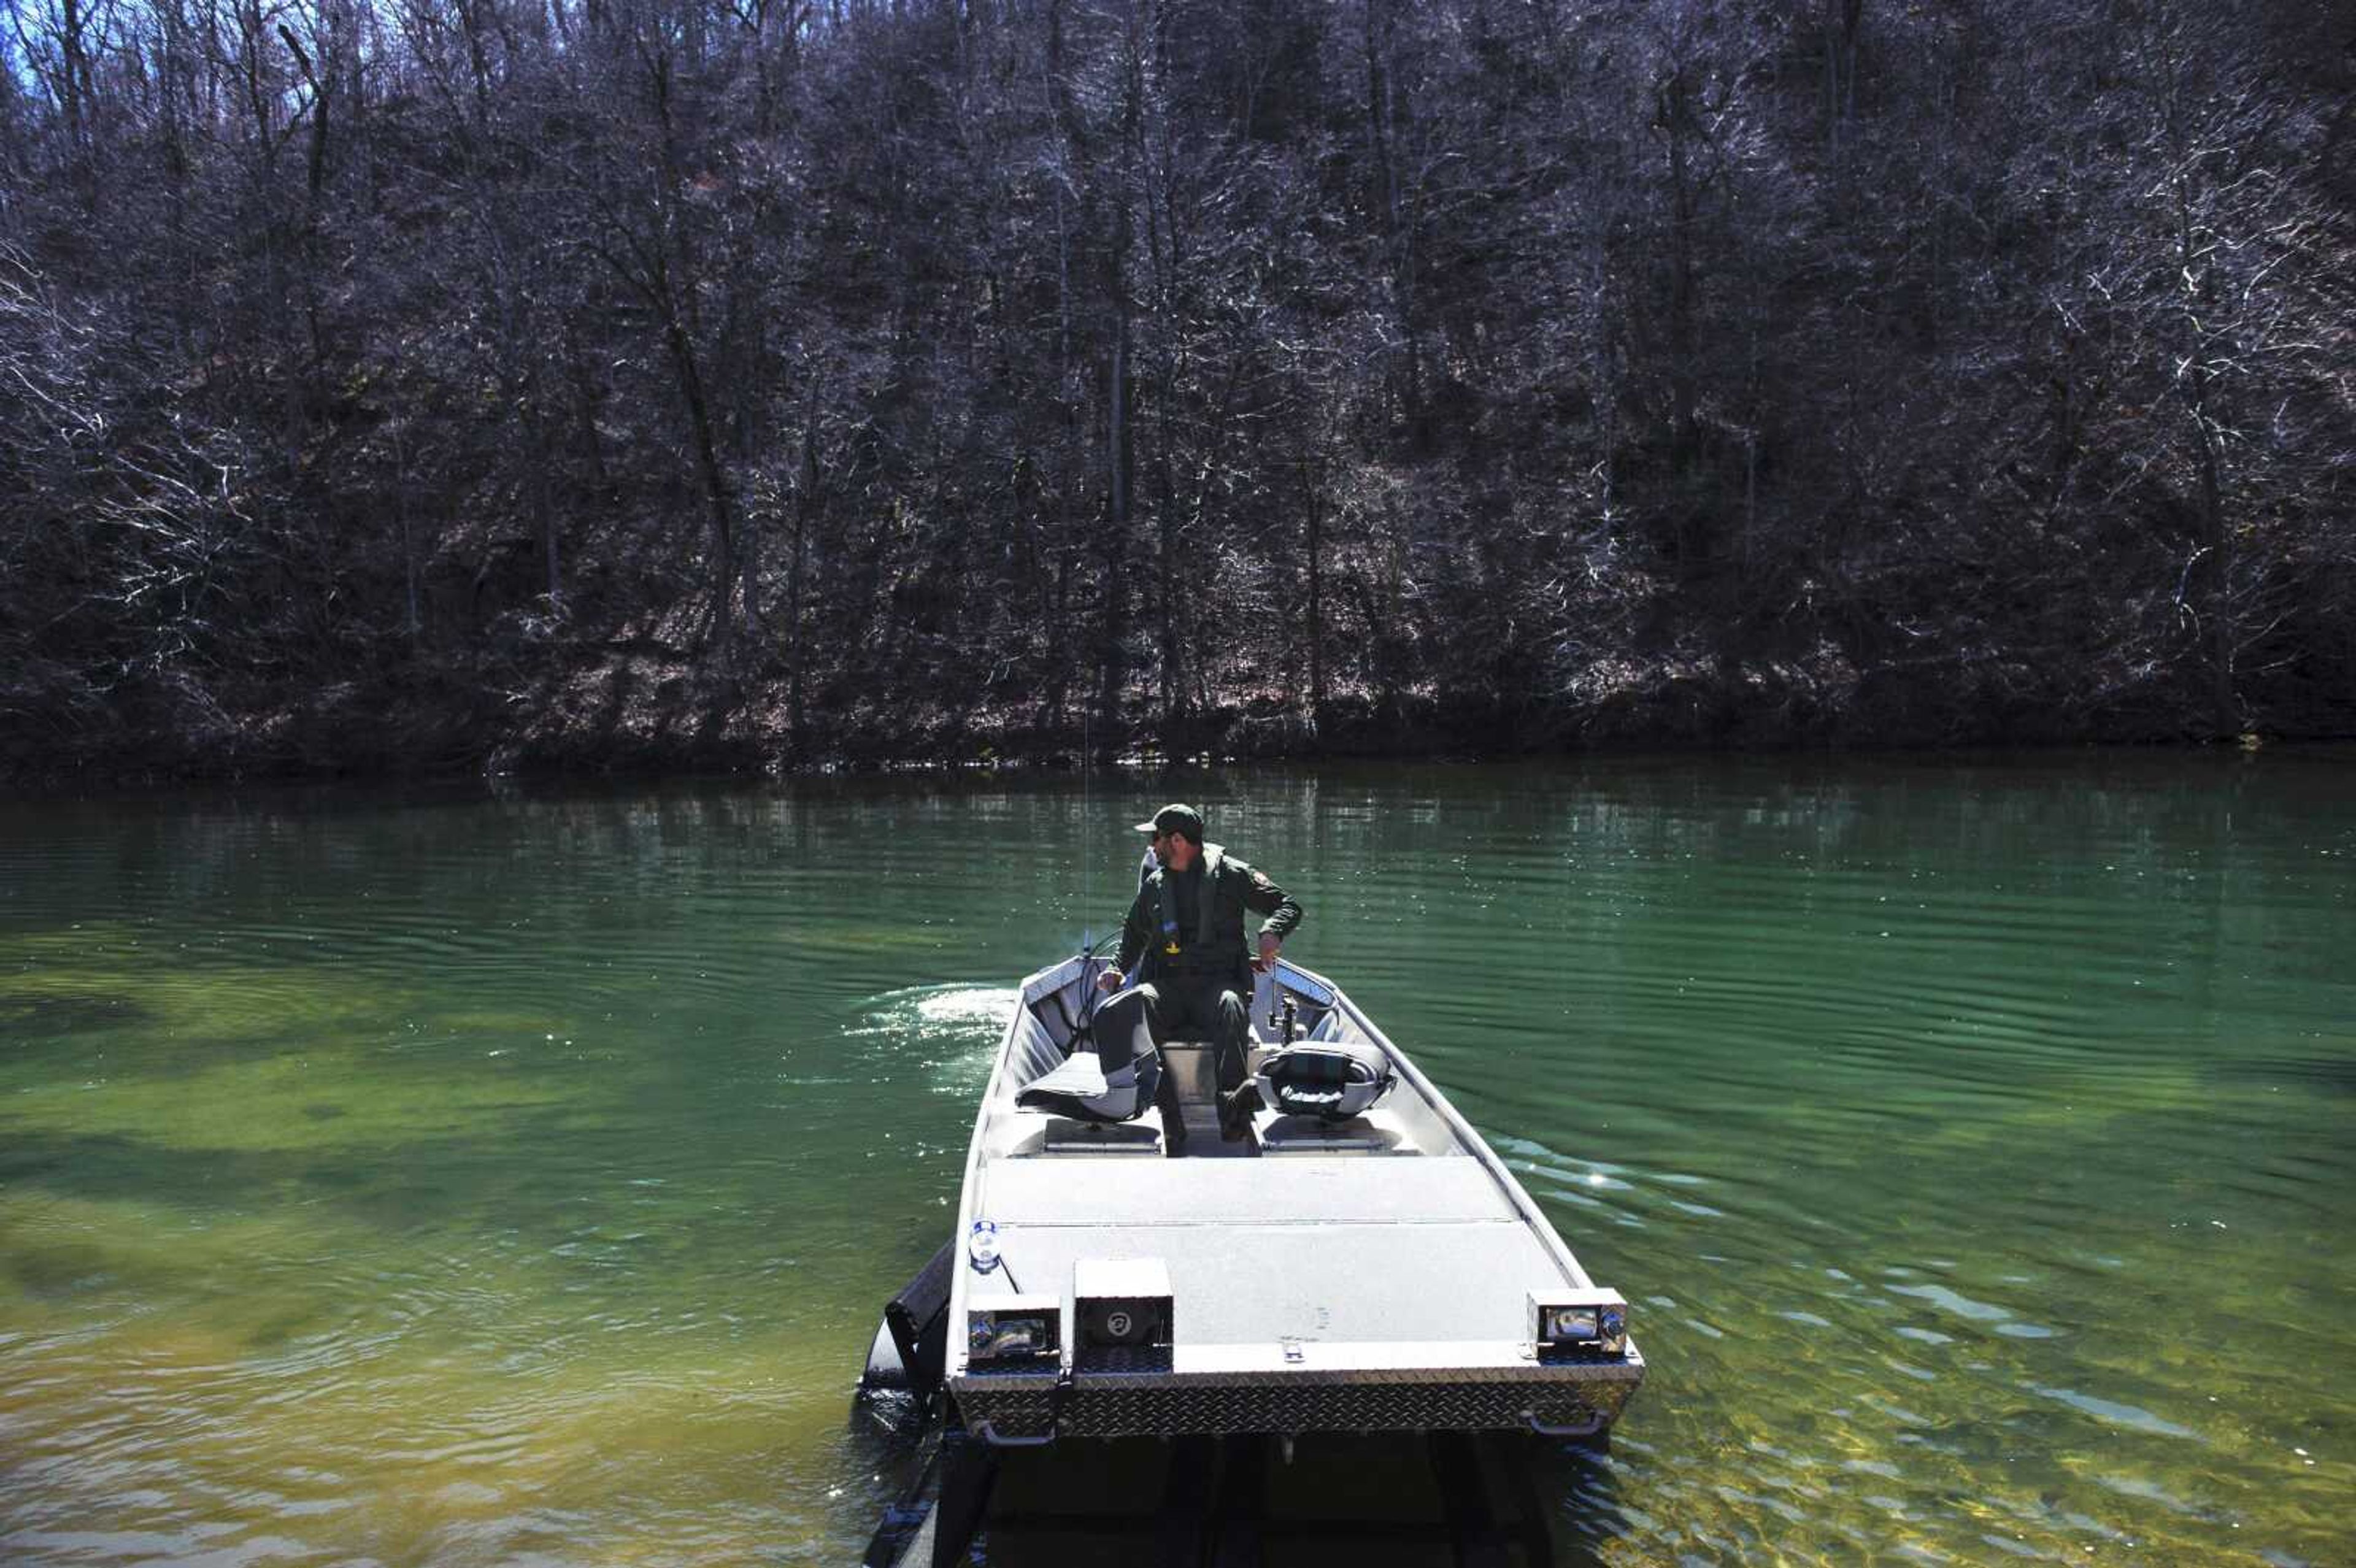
1331, 1079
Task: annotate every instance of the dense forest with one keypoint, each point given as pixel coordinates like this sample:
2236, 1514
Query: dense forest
408, 384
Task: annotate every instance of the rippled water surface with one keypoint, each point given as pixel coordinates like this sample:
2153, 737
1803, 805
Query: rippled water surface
479, 1179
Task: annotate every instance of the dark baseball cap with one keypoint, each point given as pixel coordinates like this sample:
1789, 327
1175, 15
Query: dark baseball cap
1175, 818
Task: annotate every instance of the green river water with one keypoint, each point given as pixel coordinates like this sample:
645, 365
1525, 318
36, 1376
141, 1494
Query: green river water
496, 1177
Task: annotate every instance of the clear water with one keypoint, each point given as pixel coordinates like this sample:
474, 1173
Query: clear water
466, 1178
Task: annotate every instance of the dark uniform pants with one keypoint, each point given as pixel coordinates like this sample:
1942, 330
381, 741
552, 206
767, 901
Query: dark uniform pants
1182, 1009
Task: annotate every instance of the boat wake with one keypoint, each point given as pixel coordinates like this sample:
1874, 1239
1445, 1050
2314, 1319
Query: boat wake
950, 1032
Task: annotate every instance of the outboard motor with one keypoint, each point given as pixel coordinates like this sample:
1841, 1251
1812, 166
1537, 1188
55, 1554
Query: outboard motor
1115, 1082
1331, 1080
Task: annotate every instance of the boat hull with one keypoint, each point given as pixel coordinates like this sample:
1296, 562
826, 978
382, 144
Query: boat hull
1386, 1277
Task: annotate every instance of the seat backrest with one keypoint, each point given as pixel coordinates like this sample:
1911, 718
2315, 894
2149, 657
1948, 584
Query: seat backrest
1333, 1079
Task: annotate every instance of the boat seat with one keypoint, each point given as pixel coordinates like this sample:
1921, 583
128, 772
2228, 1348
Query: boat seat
1336, 1080
1084, 1090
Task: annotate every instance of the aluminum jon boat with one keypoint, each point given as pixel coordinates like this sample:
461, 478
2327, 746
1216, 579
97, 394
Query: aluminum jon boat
1359, 1259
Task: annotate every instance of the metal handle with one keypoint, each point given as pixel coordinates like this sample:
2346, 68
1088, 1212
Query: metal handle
991, 1436
1588, 1428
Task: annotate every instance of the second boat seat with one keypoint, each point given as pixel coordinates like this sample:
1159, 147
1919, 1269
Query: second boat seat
1331, 1080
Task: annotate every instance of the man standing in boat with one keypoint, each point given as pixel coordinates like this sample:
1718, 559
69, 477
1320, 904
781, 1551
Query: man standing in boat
1187, 926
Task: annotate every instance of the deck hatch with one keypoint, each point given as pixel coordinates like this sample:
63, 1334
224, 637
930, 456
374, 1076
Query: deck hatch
1124, 1313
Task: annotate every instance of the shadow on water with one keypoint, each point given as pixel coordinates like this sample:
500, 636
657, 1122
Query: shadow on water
1336, 1500
72, 1012
437, 1181
2333, 1075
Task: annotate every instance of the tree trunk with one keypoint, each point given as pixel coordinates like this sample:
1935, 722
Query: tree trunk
1674, 114
543, 509
1315, 549
721, 621
1381, 123
805, 498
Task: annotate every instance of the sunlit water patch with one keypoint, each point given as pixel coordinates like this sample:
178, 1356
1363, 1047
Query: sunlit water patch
946, 1037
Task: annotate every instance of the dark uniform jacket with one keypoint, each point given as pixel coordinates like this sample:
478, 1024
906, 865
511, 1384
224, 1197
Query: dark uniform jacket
1186, 937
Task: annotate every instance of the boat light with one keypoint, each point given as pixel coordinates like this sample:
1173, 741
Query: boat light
981, 1245
1570, 1325
1593, 1322
1014, 1330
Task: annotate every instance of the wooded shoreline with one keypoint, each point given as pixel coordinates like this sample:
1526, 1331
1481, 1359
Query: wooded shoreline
416, 387
672, 729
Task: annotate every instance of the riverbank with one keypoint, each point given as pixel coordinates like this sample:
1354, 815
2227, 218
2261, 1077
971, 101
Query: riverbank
644, 715
903, 422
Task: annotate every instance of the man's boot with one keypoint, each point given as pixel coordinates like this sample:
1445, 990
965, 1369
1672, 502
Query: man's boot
1236, 1108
